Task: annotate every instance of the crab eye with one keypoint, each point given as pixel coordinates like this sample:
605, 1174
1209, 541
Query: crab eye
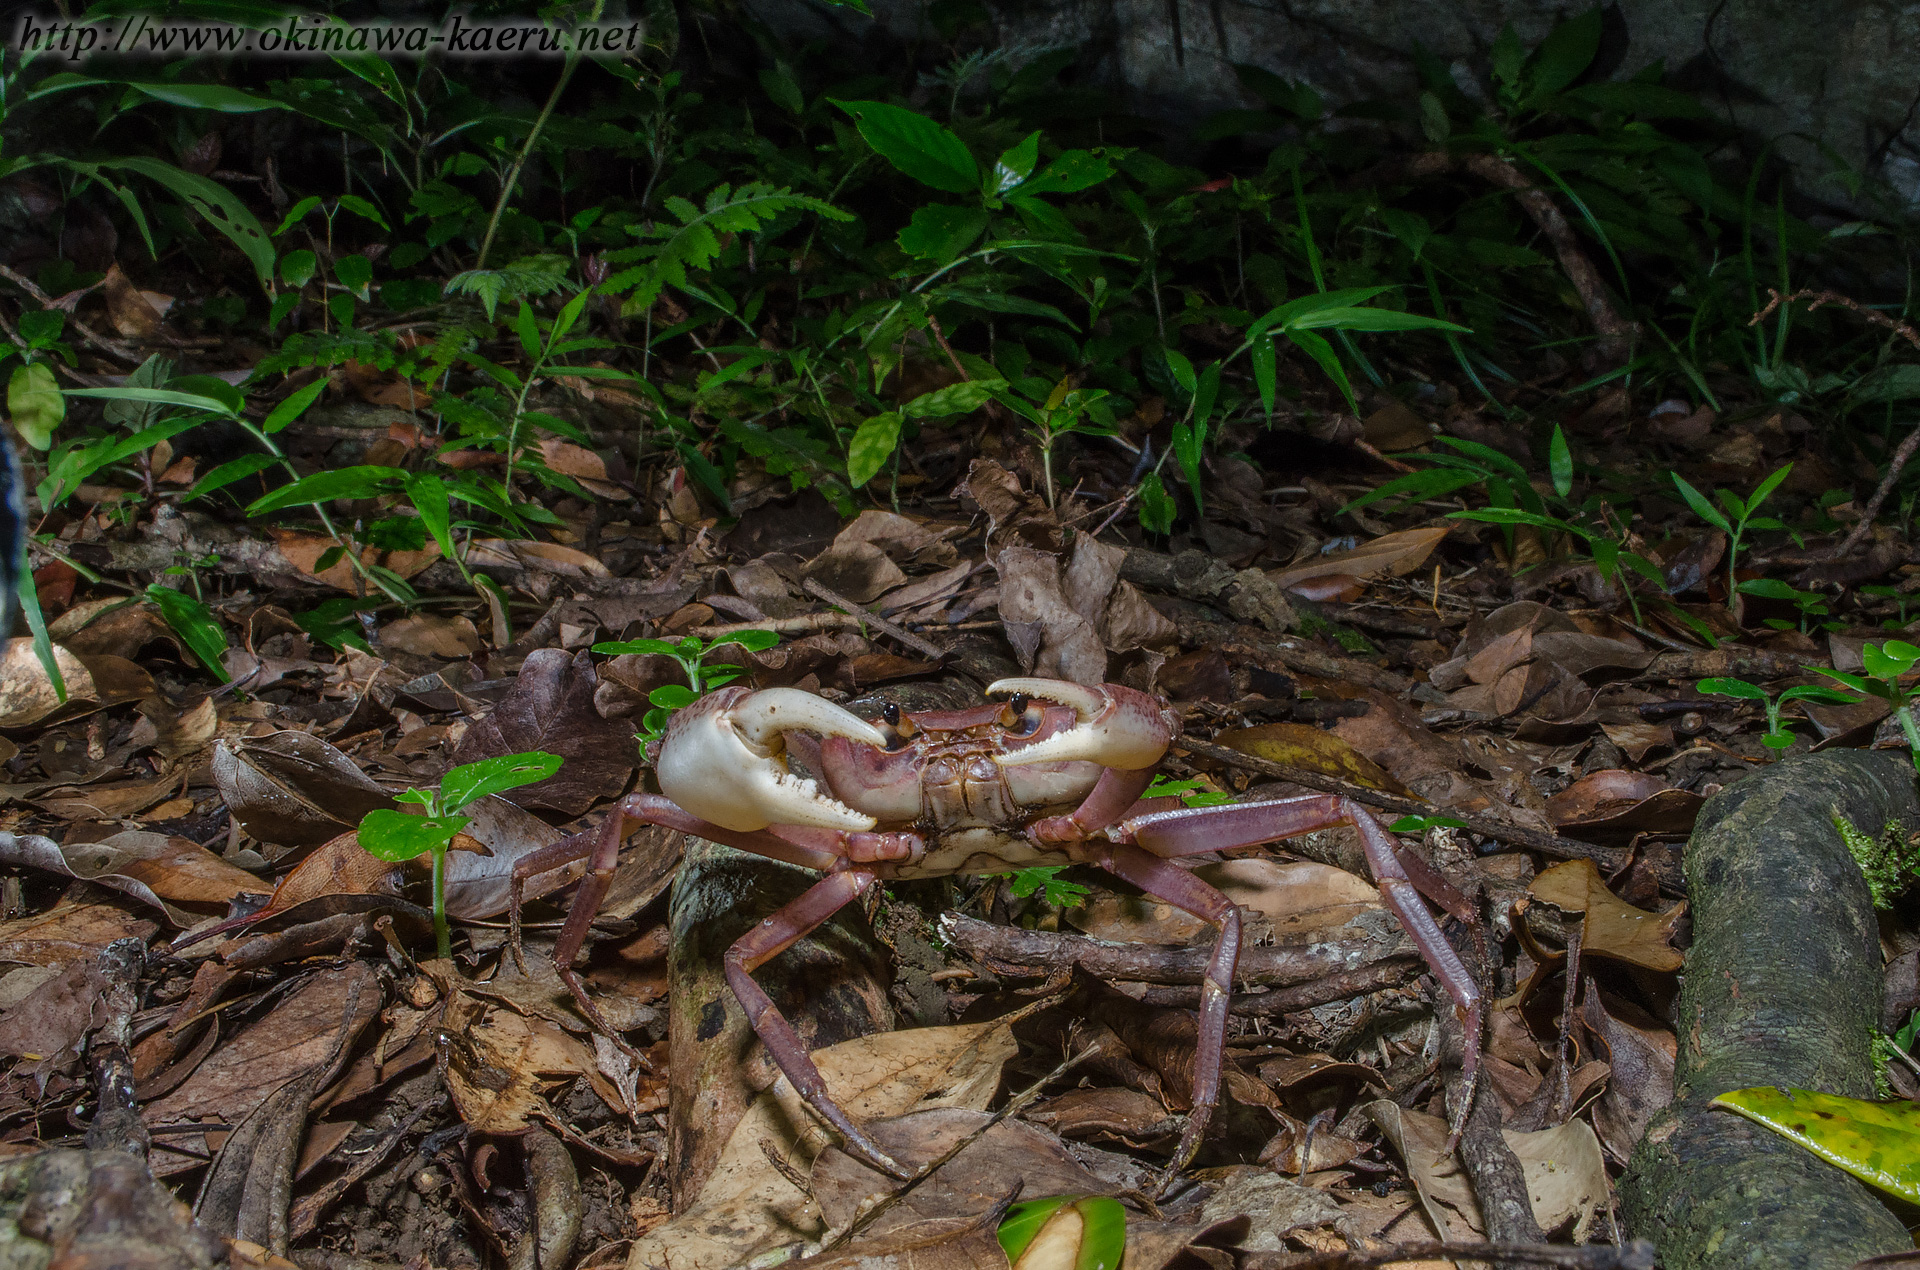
891, 713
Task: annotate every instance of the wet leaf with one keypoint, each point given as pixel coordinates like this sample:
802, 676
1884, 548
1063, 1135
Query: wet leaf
1879, 1143
550, 709
1311, 749
293, 789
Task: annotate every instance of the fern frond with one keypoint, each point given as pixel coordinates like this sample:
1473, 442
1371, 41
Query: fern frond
694, 242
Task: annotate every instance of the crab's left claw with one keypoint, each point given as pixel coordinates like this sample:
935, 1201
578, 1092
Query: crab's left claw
1116, 727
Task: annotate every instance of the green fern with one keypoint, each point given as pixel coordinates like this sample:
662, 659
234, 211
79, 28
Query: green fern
694, 242
523, 279
329, 348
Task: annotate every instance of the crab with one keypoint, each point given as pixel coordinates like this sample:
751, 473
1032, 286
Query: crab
1054, 774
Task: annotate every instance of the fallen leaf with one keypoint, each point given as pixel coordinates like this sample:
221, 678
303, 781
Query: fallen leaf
551, 708
432, 635
1877, 1142
1397, 554
1612, 927
746, 1204
1309, 748
151, 867
304, 552
68, 932
293, 789
313, 1028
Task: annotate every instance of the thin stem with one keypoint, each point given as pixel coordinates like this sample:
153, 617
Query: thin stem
443, 938
520, 161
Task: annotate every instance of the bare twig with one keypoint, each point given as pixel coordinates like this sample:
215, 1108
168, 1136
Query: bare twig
113, 348
924, 647
1637, 1255
1609, 858
868, 1214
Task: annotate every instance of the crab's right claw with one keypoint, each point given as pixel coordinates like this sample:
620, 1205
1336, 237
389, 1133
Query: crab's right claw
1117, 727
723, 759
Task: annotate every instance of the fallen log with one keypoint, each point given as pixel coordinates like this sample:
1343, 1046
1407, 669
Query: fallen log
1782, 987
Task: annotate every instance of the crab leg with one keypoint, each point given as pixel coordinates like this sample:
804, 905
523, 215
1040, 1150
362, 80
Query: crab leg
773, 936
1195, 830
1166, 880
819, 849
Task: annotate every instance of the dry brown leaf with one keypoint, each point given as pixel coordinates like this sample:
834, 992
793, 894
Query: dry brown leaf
1641, 1055
313, 1028
69, 932
432, 635
304, 552
1566, 1176
494, 1077
861, 571
293, 789
1615, 803
747, 1204
136, 314
551, 708
582, 464
1300, 898
1612, 927
1397, 554
535, 557
1306, 747
150, 867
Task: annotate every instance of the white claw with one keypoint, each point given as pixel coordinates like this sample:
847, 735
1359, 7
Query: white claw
722, 761
1117, 726
1086, 702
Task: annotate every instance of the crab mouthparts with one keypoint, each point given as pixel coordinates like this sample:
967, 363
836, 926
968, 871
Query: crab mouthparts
1117, 727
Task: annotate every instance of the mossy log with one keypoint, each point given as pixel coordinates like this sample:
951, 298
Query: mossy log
1782, 987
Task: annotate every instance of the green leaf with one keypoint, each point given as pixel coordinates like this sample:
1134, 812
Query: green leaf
214, 202
1157, 509
1889, 660
916, 145
872, 445
941, 231
1433, 119
293, 407
193, 96
671, 696
227, 473
429, 496
1822, 696
354, 272
1566, 52
1736, 688
1560, 463
1701, 507
1265, 378
778, 83
395, 835
1015, 165
1181, 369
1766, 487
471, 782
1073, 171
297, 267
1101, 1223
639, 647
1859, 683
157, 396
1879, 1143
347, 482
954, 399
196, 625
35, 404
1316, 347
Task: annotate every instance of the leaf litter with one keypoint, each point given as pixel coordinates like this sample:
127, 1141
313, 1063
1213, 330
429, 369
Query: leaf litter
303, 1066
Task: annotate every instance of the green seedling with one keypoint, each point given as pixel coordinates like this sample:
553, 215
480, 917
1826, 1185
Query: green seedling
396, 835
691, 653
1900, 599
1885, 664
1734, 517
1776, 737
1191, 792
1052, 888
1812, 605
1420, 824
